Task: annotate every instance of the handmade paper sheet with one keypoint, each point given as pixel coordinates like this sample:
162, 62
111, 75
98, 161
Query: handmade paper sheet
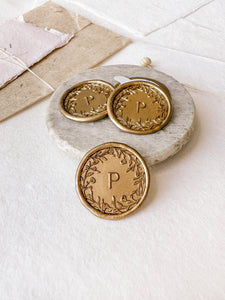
23, 44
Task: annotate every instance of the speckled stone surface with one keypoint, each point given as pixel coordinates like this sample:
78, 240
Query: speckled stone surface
77, 138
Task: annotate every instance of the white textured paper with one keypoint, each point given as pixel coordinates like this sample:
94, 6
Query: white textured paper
198, 72
173, 248
137, 17
184, 38
188, 37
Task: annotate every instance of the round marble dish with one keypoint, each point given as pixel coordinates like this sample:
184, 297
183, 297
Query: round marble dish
77, 138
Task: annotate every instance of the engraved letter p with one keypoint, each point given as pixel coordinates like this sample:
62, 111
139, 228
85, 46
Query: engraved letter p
140, 105
112, 177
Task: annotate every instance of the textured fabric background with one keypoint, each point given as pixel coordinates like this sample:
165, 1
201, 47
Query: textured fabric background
173, 248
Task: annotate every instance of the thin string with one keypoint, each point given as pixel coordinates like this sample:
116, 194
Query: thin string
77, 22
199, 90
18, 62
146, 62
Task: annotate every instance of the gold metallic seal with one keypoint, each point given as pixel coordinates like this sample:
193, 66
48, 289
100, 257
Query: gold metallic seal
112, 180
142, 106
86, 101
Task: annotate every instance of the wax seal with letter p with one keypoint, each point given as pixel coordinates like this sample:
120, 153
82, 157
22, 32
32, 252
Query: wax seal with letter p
86, 101
112, 180
140, 106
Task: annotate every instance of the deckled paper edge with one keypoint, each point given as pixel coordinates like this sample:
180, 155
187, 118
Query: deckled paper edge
64, 39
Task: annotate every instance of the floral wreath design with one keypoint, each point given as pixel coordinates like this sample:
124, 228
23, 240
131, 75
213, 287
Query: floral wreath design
126, 202
70, 100
120, 103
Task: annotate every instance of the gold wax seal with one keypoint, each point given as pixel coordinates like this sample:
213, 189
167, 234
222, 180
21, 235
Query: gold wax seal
86, 101
140, 106
112, 180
